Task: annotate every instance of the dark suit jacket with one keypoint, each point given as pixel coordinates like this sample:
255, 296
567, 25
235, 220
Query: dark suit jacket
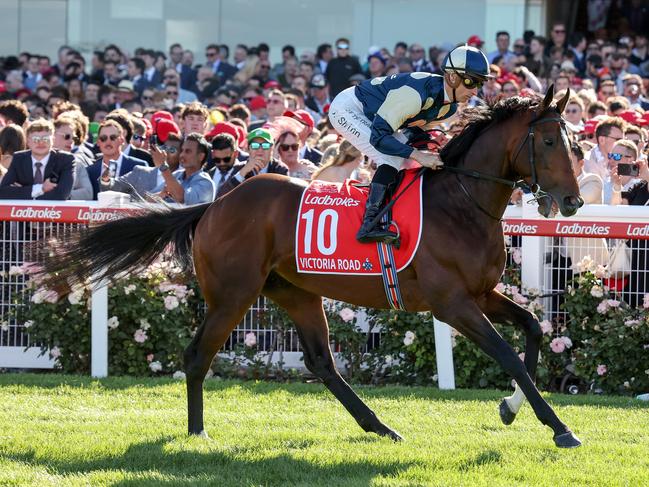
94, 171
187, 78
141, 154
313, 155
274, 167
59, 166
225, 72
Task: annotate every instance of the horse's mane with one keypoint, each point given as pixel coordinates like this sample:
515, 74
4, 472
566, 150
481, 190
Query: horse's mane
479, 118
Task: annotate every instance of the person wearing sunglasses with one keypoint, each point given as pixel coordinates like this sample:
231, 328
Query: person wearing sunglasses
624, 152
608, 132
42, 172
225, 152
340, 68
64, 140
112, 162
380, 115
289, 146
260, 149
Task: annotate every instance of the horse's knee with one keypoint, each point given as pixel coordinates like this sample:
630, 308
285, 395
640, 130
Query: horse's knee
319, 365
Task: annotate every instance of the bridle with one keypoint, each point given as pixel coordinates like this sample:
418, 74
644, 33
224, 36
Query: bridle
533, 186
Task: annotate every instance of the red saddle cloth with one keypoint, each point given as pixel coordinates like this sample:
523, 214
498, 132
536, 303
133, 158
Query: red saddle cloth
330, 215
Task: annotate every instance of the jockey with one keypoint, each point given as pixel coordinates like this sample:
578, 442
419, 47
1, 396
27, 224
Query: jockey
374, 115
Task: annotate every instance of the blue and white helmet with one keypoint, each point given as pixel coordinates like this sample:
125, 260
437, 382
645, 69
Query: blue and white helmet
467, 60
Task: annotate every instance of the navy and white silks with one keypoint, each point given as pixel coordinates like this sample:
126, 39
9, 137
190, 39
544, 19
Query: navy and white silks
377, 115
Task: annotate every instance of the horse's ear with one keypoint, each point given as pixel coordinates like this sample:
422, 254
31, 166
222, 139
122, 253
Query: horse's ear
564, 101
549, 95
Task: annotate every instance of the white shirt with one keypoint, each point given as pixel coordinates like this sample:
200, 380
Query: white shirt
220, 177
149, 73
37, 189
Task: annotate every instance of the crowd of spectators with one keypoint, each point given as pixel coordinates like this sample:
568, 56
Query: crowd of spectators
166, 125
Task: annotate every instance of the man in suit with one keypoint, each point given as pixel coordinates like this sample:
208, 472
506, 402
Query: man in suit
143, 179
220, 68
40, 172
186, 73
224, 157
136, 75
123, 118
112, 163
260, 144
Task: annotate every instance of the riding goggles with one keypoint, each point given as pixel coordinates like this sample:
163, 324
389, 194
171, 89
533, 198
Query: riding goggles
471, 83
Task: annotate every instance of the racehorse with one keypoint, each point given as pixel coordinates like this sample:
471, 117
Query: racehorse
243, 245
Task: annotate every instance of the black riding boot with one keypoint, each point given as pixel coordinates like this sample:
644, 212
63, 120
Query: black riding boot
385, 175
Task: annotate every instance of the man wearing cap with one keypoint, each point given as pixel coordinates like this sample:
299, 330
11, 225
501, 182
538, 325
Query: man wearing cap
341, 68
374, 115
260, 148
319, 97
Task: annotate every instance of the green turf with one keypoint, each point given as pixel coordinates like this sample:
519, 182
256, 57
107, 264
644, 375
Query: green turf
65, 430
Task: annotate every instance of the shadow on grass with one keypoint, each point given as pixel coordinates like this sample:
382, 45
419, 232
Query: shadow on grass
51, 381
149, 462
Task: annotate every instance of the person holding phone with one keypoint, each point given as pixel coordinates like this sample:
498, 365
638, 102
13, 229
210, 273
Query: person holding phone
626, 172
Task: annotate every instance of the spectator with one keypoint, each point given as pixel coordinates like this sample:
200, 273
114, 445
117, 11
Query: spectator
261, 161
537, 62
12, 139
290, 71
13, 111
574, 113
306, 120
65, 137
189, 185
288, 149
577, 46
135, 72
319, 98
510, 88
340, 167
608, 132
240, 56
224, 157
187, 73
623, 152
417, 60
41, 172
112, 163
341, 68
32, 76
596, 109
324, 54
557, 39
288, 52
143, 179
124, 119
376, 65
171, 77
502, 44
638, 136
633, 90
223, 70
194, 118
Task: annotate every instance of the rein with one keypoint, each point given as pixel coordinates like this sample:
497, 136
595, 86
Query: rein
533, 186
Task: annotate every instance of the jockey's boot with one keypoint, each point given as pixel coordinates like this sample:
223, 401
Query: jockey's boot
369, 232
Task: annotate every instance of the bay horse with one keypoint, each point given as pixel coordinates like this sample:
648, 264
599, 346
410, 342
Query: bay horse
243, 245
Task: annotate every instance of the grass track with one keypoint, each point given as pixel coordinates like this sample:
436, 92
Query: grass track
65, 430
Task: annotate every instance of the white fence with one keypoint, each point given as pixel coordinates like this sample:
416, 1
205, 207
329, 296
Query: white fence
546, 247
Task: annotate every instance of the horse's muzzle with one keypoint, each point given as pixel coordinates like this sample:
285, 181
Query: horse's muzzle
571, 204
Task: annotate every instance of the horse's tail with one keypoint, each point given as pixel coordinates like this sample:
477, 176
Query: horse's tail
119, 246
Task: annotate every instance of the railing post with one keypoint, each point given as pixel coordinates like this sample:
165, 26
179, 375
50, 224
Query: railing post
444, 355
99, 331
532, 248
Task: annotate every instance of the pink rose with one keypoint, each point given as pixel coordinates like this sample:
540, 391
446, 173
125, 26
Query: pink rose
602, 308
546, 327
519, 299
250, 340
645, 301
601, 369
557, 345
55, 352
140, 336
347, 315
500, 287
149, 358
566, 341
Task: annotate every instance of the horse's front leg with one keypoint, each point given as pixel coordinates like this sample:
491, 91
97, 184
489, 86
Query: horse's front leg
467, 317
501, 309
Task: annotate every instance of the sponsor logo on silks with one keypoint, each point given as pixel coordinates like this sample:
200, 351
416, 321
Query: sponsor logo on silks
327, 200
520, 228
579, 229
35, 213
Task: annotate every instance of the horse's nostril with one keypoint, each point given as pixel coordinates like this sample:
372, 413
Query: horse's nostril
573, 202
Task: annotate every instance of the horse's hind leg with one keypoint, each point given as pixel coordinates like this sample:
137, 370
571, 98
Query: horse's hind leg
219, 322
500, 309
305, 309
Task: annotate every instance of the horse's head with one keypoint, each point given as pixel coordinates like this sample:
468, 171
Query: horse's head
543, 158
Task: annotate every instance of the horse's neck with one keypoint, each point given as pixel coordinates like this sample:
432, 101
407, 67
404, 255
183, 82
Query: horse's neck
488, 155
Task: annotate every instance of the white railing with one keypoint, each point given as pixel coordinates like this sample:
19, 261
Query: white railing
539, 238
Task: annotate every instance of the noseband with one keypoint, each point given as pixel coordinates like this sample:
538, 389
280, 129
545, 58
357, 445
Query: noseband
533, 186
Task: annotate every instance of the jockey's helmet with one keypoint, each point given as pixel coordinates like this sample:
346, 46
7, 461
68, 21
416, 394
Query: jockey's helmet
467, 60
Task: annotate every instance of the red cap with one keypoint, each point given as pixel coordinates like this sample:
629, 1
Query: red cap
149, 127
257, 103
157, 116
302, 116
590, 126
631, 116
645, 118
242, 133
3, 87
224, 128
164, 127
475, 41
271, 84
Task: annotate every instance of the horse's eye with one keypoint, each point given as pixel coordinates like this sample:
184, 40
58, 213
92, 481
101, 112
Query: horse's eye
548, 141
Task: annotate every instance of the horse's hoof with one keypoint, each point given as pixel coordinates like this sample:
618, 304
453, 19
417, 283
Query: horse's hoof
393, 435
202, 434
567, 440
506, 414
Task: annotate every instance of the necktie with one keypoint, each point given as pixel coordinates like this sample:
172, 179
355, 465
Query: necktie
38, 175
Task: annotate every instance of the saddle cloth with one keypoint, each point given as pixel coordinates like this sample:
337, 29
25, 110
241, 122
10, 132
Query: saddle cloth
330, 214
